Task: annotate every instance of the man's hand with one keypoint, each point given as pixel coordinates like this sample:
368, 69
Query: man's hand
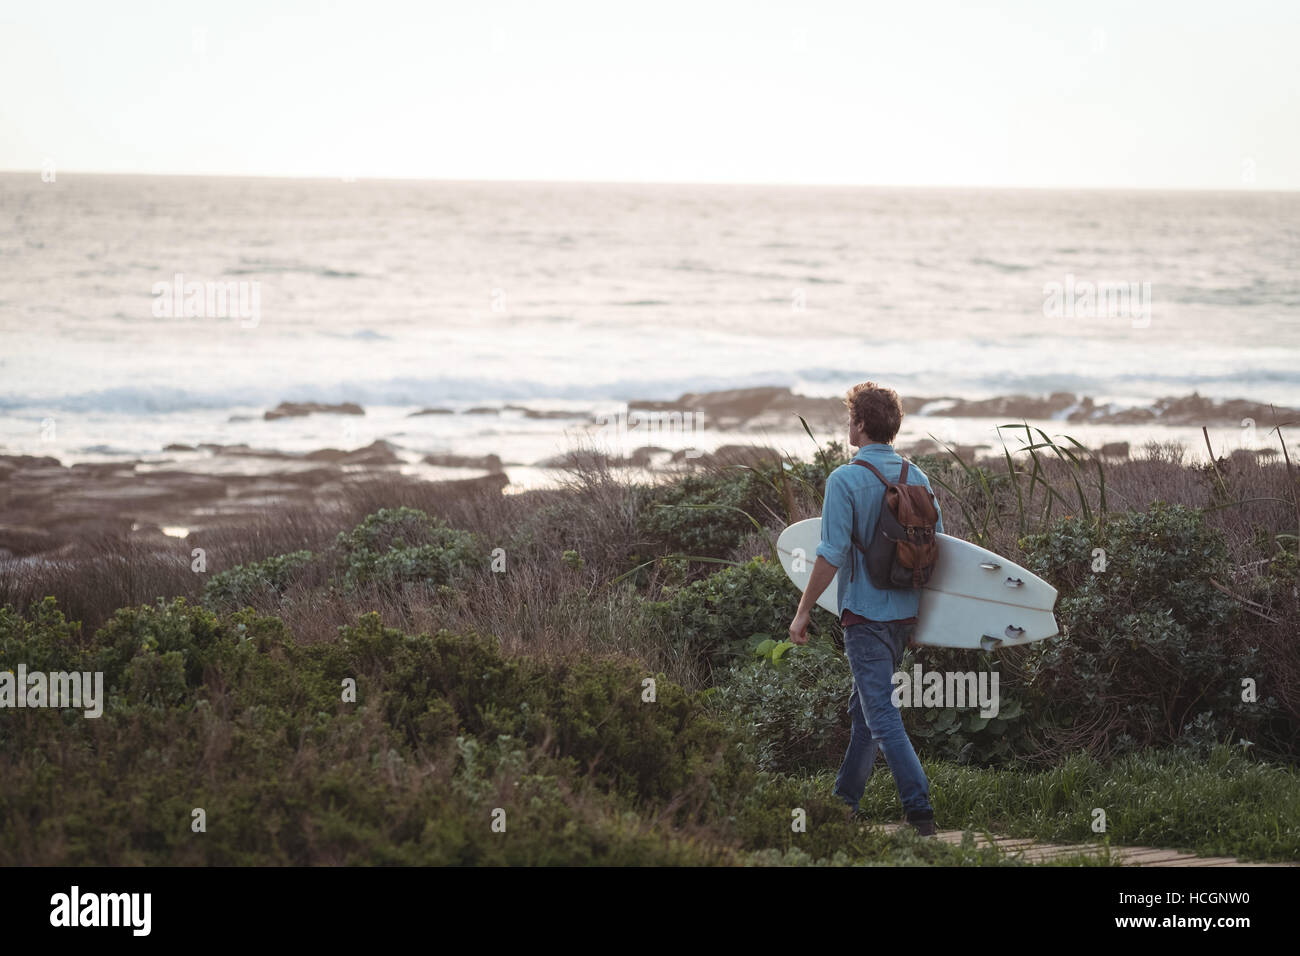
799, 628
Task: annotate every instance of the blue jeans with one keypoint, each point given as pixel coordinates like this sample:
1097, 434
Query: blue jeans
875, 651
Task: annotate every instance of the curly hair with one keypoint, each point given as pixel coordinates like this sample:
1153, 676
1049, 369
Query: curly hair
878, 410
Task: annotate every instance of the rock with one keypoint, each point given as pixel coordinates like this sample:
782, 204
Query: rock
481, 410
54, 512
725, 455
431, 411
741, 407
644, 456
1195, 410
489, 463
378, 452
103, 469
738, 403
244, 451
22, 462
546, 415
334, 455
928, 446
1013, 407
176, 446
301, 409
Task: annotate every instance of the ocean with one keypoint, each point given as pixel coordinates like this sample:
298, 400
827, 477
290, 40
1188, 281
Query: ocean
399, 295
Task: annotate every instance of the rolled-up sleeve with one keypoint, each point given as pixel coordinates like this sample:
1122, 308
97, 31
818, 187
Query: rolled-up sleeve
837, 522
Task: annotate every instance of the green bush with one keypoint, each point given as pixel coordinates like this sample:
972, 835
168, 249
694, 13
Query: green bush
701, 515
396, 546
588, 712
962, 734
245, 583
714, 619
392, 548
231, 715
709, 515
1152, 651
44, 640
796, 709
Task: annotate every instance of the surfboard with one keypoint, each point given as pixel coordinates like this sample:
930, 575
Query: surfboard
974, 599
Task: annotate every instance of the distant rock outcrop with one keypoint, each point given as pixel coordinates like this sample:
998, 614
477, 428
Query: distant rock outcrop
746, 407
302, 409
488, 463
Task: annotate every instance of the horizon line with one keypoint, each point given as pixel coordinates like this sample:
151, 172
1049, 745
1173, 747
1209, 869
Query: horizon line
350, 180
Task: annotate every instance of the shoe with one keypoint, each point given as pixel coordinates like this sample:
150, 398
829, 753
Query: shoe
922, 822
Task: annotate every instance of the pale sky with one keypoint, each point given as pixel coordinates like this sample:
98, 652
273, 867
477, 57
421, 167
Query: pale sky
1087, 93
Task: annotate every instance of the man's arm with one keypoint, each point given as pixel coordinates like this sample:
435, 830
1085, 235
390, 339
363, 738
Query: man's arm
834, 552
822, 574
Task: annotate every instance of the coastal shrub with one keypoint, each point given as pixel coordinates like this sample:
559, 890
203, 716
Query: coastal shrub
703, 515
231, 714
963, 734
43, 639
794, 708
1151, 650
709, 514
397, 546
714, 619
246, 583
589, 712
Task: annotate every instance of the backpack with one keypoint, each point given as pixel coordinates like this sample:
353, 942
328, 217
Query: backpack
903, 549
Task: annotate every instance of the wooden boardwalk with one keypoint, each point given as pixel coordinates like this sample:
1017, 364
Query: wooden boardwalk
1033, 851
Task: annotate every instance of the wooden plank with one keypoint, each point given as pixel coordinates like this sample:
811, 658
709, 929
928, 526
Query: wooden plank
1135, 854
1204, 861
1032, 851
1052, 851
1151, 857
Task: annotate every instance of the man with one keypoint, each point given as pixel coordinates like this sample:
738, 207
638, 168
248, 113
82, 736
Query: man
878, 624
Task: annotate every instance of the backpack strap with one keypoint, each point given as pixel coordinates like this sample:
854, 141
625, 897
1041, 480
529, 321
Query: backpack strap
902, 479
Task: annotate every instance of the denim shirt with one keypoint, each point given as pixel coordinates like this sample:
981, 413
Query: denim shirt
854, 492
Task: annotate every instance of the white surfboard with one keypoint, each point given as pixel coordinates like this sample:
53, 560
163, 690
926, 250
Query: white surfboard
974, 599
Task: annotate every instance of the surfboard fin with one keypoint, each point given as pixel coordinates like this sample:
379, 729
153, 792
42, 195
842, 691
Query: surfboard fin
989, 643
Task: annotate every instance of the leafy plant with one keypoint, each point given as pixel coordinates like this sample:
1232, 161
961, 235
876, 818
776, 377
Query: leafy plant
1151, 642
247, 582
714, 618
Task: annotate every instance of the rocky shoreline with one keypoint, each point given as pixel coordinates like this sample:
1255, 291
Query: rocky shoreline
750, 407
48, 509
777, 406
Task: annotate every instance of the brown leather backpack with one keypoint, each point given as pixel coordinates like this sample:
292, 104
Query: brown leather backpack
903, 549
